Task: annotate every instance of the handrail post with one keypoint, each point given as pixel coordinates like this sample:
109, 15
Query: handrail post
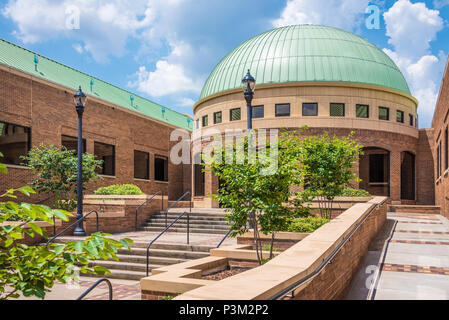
94, 286
188, 227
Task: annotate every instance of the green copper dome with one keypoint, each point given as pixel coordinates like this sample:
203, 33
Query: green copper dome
306, 53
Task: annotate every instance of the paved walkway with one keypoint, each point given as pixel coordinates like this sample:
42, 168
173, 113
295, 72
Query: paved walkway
408, 260
127, 289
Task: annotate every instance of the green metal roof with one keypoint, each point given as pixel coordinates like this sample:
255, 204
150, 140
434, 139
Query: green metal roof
306, 53
23, 60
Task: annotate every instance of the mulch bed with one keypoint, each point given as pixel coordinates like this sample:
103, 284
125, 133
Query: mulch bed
224, 274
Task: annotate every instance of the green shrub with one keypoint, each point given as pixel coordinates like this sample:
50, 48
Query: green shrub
119, 189
308, 224
350, 192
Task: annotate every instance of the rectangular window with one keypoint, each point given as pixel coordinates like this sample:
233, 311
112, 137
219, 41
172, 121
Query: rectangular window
384, 113
160, 168
105, 152
400, 116
410, 120
282, 110
362, 111
205, 121
141, 165
15, 141
441, 162
217, 117
71, 143
337, 109
258, 112
446, 149
235, 114
309, 109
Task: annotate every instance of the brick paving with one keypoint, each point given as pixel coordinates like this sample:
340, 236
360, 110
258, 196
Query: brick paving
406, 264
119, 291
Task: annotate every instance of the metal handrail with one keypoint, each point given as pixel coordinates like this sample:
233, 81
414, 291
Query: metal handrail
165, 230
94, 286
224, 238
176, 202
148, 200
77, 221
291, 288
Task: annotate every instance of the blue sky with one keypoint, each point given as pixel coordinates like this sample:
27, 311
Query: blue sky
165, 49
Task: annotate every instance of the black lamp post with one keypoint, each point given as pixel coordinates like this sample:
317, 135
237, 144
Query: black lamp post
80, 102
249, 84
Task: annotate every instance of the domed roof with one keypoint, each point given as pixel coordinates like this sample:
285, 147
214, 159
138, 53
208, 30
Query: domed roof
306, 53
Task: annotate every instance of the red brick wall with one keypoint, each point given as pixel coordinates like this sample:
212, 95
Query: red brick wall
50, 112
439, 124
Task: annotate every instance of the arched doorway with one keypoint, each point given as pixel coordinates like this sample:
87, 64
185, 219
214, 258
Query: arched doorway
407, 176
374, 171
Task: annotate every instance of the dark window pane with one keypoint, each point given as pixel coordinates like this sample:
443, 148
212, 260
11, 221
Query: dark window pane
235, 114
400, 116
105, 152
14, 142
410, 119
378, 168
309, 109
217, 117
384, 113
205, 121
141, 165
71, 143
160, 168
362, 111
282, 110
258, 112
337, 110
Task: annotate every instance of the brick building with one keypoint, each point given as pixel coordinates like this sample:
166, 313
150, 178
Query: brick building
129, 133
322, 77
438, 136
330, 80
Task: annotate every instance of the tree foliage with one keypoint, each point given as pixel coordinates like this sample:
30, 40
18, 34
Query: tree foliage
33, 269
255, 193
56, 170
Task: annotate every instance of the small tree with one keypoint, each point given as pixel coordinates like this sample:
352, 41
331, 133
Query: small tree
328, 164
33, 270
56, 169
252, 192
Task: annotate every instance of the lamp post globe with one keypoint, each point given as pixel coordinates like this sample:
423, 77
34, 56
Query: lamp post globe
80, 103
249, 85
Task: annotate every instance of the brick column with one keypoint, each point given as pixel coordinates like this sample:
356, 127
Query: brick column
395, 175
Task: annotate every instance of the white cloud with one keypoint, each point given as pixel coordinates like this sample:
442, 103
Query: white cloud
411, 28
345, 14
438, 4
104, 29
166, 79
186, 102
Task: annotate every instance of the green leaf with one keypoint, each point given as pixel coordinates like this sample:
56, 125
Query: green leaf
101, 270
79, 245
36, 228
58, 249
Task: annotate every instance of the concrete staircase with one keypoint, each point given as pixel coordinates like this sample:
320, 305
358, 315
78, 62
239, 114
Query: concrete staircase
424, 209
209, 221
132, 264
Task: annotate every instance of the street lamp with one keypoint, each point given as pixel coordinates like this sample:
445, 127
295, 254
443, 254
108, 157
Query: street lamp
249, 85
80, 102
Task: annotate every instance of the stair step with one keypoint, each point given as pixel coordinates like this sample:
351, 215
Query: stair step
123, 266
165, 253
184, 225
173, 246
184, 230
153, 259
120, 274
192, 220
